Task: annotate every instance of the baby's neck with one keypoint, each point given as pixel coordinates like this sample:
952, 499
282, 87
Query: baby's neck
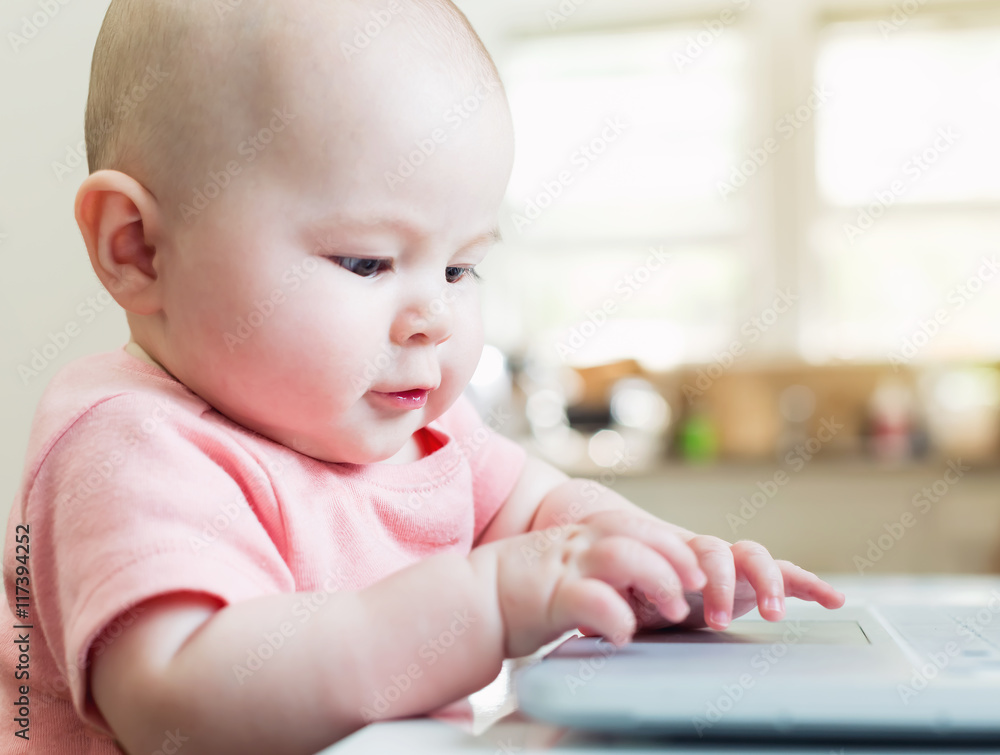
417, 446
140, 353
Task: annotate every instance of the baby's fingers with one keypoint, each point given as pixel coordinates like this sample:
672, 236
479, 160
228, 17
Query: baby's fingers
676, 551
661, 538
595, 605
754, 563
624, 563
805, 585
716, 559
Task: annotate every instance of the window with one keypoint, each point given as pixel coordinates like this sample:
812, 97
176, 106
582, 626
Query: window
907, 255
618, 239
882, 212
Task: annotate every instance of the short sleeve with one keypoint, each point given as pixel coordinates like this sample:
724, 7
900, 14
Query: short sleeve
496, 461
140, 498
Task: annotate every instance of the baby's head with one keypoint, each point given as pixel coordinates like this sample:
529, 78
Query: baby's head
288, 196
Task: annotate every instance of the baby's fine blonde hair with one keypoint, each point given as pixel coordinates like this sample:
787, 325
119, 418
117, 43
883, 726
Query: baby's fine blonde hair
175, 82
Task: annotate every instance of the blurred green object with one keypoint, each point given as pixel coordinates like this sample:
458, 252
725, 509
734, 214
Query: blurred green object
697, 439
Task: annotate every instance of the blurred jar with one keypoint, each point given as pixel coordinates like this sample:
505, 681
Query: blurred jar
640, 416
890, 421
963, 412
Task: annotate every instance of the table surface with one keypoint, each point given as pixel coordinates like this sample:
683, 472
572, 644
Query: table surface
488, 722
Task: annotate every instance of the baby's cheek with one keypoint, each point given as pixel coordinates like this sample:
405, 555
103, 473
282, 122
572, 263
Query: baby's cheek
462, 362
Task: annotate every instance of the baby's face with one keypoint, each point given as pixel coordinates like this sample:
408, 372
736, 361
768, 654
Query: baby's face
324, 299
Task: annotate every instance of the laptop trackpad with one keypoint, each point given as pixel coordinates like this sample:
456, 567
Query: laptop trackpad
766, 633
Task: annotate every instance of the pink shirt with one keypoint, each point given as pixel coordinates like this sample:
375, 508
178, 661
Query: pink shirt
135, 487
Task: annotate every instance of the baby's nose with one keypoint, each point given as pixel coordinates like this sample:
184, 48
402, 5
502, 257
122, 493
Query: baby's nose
429, 320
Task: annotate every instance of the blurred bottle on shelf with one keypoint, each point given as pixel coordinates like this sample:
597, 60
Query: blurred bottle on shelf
640, 416
797, 404
963, 412
890, 421
697, 435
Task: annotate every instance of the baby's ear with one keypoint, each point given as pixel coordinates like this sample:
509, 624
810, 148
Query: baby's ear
118, 218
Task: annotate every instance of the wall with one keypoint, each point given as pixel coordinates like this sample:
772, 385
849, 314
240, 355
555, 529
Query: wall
48, 284
852, 518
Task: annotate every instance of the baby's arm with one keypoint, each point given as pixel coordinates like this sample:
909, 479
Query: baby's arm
419, 639
429, 633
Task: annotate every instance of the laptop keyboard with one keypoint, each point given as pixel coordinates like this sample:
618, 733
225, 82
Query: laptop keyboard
967, 636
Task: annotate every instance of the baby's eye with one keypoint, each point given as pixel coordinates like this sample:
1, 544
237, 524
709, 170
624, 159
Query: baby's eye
455, 274
366, 267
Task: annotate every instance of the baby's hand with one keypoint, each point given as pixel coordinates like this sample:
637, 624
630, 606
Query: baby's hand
741, 576
615, 571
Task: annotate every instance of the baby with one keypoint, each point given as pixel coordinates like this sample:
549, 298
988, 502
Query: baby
241, 530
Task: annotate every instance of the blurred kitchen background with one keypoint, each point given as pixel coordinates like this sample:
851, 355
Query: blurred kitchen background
749, 270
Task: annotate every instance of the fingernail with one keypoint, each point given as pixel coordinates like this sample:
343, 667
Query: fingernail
680, 612
719, 618
774, 603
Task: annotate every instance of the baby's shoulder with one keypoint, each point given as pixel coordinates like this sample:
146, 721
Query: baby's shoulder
101, 402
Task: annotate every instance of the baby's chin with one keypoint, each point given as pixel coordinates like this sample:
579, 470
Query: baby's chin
394, 451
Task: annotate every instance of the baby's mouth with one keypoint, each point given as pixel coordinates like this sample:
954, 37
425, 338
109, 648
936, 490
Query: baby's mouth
403, 400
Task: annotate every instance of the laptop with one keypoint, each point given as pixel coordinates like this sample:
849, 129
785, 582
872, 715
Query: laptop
924, 668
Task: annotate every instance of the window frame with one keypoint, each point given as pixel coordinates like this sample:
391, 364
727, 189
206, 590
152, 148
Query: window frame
784, 38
